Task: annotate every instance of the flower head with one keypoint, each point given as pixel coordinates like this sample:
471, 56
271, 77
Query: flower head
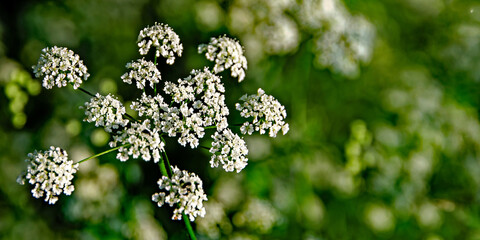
50, 172
142, 139
229, 150
226, 53
105, 111
183, 190
141, 71
199, 102
163, 38
59, 66
266, 111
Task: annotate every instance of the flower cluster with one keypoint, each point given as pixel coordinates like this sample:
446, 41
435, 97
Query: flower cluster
59, 66
105, 111
185, 191
200, 102
232, 151
163, 38
141, 71
139, 139
50, 172
226, 53
266, 111
187, 108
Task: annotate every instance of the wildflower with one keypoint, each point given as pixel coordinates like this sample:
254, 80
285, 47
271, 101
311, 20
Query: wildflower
199, 102
150, 107
232, 151
185, 191
141, 71
163, 38
50, 172
144, 141
105, 111
59, 66
266, 111
226, 53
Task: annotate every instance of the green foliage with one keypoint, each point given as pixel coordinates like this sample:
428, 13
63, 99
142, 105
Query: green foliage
390, 153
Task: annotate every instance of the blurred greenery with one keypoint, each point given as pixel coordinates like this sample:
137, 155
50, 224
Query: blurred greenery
382, 99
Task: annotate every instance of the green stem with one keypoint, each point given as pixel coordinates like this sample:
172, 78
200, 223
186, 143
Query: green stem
210, 127
163, 170
189, 227
85, 91
205, 147
102, 153
92, 95
168, 173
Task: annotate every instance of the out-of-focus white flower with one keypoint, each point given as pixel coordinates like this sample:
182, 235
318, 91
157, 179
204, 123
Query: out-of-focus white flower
227, 53
199, 102
258, 215
163, 38
266, 111
343, 49
50, 172
214, 222
59, 66
183, 190
141, 71
144, 141
229, 150
280, 35
105, 111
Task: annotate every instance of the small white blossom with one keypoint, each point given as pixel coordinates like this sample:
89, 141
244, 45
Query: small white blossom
183, 190
226, 53
141, 71
229, 150
280, 35
105, 111
199, 102
150, 107
163, 38
144, 141
50, 173
59, 66
266, 111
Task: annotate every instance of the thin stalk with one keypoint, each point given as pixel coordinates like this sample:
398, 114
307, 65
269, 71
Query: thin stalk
205, 147
92, 95
165, 163
85, 91
189, 227
102, 153
163, 170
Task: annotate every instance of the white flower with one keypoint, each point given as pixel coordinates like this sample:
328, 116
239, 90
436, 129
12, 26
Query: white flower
163, 38
266, 111
226, 53
229, 150
280, 35
198, 102
50, 173
105, 111
144, 141
344, 49
59, 66
141, 71
183, 190
150, 107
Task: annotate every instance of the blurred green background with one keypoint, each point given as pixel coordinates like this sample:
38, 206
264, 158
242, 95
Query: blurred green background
382, 99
